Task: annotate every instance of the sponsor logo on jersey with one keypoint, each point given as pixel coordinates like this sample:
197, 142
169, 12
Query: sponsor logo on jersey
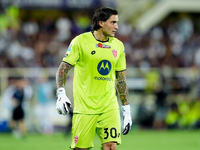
93, 52
114, 53
102, 78
69, 48
75, 139
104, 67
66, 55
102, 45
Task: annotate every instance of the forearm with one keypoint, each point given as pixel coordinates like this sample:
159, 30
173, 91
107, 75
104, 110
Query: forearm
121, 86
61, 74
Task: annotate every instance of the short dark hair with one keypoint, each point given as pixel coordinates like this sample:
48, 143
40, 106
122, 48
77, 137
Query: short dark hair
102, 14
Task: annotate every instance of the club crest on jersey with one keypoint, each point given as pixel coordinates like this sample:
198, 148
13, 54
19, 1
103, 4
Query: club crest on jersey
76, 139
114, 53
102, 45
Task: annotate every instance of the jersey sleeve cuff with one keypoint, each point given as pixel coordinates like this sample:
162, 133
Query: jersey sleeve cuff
68, 62
120, 70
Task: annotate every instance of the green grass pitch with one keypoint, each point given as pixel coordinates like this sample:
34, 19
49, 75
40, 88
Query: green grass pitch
135, 140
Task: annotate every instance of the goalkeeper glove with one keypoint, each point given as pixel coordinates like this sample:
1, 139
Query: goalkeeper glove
127, 119
63, 103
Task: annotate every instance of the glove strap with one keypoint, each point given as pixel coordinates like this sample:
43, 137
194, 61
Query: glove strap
126, 109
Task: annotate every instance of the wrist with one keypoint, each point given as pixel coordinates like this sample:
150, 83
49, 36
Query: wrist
60, 90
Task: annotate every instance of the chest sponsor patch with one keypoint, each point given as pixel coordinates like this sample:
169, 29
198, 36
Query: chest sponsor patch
102, 45
104, 67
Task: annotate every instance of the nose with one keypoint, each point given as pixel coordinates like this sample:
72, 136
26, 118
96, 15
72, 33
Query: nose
116, 26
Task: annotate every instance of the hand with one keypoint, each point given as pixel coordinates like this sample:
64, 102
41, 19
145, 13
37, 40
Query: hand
127, 119
63, 103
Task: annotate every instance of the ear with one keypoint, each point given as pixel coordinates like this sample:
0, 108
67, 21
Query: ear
101, 23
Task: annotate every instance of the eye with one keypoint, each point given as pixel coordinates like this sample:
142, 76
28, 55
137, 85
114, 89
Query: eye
113, 22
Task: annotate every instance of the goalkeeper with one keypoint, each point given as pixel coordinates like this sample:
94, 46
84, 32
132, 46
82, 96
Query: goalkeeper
99, 63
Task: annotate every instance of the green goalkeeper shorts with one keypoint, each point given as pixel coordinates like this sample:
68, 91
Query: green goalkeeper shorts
107, 126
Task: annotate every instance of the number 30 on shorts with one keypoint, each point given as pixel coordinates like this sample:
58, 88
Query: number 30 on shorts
112, 132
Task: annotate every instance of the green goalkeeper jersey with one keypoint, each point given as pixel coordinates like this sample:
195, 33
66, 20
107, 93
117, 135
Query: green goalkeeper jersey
95, 63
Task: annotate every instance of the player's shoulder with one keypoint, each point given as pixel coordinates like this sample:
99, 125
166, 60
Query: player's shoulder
116, 40
86, 35
81, 39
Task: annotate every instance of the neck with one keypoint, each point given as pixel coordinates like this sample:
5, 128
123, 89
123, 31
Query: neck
100, 36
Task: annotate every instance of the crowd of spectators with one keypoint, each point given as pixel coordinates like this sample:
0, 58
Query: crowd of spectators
39, 43
174, 42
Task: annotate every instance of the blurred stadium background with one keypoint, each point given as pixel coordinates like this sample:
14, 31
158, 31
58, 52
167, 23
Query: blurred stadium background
162, 42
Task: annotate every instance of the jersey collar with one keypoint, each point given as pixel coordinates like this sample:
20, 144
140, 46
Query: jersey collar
99, 40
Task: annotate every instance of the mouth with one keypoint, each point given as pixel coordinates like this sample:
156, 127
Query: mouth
114, 32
